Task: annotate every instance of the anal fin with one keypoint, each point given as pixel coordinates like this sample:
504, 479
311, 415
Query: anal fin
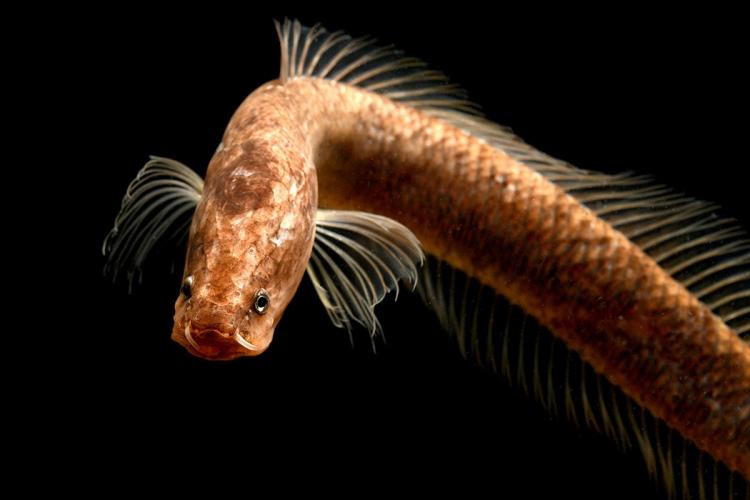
500, 336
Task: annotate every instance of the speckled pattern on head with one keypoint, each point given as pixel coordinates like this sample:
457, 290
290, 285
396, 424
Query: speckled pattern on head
253, 229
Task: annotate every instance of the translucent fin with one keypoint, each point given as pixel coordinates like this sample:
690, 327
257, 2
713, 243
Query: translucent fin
157, 206
357, 259
709, 254
496, 334
317, 53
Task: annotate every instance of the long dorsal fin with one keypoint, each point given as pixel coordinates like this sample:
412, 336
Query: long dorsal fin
709, 254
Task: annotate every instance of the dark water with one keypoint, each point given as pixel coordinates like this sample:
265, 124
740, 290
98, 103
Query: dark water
648, 94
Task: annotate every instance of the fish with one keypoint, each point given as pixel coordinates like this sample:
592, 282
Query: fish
358, 160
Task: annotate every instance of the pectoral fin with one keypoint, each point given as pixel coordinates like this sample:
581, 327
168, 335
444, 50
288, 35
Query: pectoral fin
357, 259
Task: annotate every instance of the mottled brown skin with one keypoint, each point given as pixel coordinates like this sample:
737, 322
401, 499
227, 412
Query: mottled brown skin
502, 223
252, 229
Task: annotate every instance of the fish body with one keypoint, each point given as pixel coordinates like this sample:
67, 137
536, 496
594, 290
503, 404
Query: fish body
353, 163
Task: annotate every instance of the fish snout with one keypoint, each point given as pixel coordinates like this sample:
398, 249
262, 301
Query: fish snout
217, 341
209, 341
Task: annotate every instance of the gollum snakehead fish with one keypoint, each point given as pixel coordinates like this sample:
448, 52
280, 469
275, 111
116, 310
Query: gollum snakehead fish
614, 301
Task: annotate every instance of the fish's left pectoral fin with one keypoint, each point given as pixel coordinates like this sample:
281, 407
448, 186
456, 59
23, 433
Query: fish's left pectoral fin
357, 259
157, 206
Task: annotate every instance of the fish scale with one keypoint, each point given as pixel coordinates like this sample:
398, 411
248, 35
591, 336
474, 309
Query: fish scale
648, 339
396, 157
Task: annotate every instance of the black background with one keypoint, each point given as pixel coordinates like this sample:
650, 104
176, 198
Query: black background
645, 91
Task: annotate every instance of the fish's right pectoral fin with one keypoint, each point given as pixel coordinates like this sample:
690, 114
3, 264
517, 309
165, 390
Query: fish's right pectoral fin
157, 207
357, 259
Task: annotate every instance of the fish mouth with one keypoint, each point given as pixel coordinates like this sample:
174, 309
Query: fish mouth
213, 343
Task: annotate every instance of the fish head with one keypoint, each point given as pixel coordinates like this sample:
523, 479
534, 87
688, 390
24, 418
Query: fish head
250, 240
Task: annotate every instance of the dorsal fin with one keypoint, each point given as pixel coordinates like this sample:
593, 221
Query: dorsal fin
709, 254
317, 53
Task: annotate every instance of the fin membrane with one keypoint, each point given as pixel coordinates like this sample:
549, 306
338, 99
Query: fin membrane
709, 254
357, 259
500, 336
158, 206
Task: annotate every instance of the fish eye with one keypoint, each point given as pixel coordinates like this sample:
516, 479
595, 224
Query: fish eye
187, 287
261, 301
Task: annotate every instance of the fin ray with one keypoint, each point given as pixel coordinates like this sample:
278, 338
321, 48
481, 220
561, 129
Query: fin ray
163, 193
526, 354
357, 259
664, 223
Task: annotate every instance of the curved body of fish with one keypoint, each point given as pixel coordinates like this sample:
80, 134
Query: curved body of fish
319, 137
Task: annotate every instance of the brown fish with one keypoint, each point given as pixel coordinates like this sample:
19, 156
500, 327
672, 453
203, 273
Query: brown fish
358, 158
